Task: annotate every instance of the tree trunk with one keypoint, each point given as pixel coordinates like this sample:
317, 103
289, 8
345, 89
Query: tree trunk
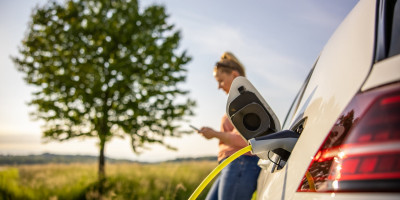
102, 172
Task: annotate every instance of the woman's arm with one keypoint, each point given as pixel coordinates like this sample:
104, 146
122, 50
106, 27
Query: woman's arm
230, 138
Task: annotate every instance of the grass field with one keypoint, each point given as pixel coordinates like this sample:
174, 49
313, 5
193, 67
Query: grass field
164, 181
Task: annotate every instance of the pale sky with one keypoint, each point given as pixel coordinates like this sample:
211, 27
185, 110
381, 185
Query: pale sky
277, 41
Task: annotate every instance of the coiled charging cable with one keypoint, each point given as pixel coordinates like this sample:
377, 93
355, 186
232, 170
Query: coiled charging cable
213, 173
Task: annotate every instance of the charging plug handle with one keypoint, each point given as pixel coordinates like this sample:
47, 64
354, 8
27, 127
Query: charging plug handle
280, 143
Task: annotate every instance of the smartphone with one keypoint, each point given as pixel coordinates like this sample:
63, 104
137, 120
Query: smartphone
193, 127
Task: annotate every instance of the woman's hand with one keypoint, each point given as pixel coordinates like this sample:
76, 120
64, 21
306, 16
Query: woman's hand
207, 132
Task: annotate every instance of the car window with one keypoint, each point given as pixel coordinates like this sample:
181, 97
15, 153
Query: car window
388, 30
394, 48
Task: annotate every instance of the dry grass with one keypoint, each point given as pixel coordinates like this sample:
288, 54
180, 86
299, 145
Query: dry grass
124, 181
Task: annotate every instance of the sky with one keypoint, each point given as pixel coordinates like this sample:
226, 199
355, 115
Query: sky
277, 42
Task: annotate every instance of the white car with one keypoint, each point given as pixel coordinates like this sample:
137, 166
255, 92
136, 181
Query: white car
345, 120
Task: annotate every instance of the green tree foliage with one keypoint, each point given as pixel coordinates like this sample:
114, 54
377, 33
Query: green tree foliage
104, 69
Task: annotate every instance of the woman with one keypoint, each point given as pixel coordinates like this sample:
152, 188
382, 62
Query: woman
238, 180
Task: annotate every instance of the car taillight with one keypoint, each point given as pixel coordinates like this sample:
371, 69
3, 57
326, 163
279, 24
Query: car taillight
362, 151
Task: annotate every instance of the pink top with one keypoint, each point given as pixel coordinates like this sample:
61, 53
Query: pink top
236, 141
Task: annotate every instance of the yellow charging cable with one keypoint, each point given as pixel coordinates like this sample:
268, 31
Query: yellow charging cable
310, 180
221, 166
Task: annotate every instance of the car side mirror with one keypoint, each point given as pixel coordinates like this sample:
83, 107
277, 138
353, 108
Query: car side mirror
249, 112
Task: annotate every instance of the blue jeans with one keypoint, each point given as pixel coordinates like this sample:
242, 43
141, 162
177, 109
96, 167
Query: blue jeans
238, 180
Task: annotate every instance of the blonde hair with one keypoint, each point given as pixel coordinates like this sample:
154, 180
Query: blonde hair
229, 62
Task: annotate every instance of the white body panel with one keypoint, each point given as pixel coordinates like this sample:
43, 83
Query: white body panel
384, 72
341, 71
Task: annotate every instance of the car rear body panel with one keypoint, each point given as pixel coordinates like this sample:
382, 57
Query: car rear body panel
340, 72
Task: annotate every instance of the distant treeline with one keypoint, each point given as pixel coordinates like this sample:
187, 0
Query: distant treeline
205, 158
54, 158
51, 158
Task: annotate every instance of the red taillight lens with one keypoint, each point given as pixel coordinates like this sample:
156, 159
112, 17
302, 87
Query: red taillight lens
362, 150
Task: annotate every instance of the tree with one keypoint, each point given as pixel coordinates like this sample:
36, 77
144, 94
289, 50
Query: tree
104, 69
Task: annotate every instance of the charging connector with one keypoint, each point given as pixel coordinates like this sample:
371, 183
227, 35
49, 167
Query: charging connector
281, 143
